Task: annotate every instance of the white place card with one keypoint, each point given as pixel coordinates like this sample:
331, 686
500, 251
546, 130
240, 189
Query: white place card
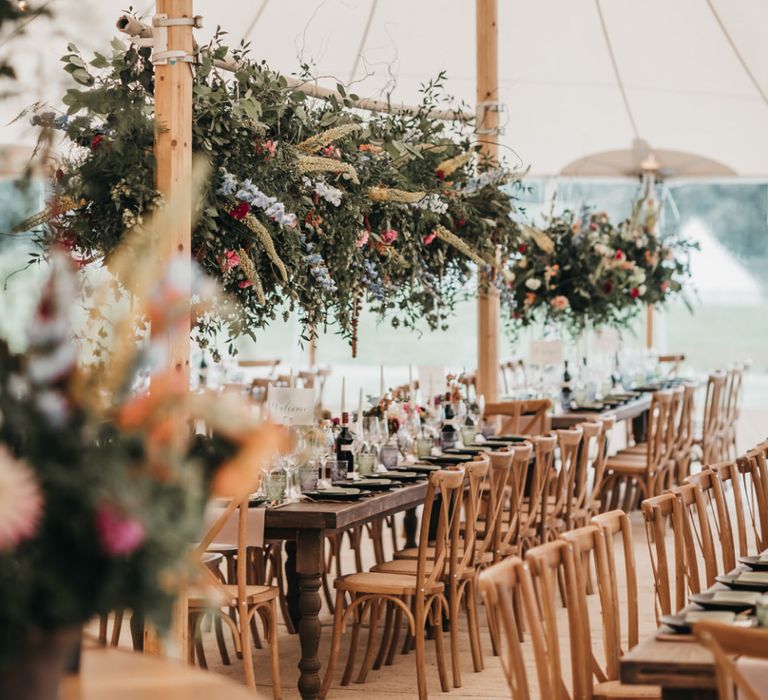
287, 406
545, 352
432, 379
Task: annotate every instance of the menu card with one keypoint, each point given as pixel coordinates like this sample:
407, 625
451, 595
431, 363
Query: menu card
287, 406
545, 352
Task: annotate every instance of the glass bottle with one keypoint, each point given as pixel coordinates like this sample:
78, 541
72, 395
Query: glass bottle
345, 444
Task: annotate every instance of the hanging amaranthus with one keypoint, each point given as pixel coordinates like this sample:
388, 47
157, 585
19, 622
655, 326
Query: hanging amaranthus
356, 319
453, 240
57, 207
314, 143
249, 270
318, 164
541, 239
388, 194
450, 166
265, 238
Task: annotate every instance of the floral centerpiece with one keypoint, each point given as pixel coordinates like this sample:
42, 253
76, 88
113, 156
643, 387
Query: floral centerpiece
308, 207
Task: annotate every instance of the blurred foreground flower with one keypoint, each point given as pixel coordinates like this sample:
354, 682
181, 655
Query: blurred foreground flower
21, 502
119, 534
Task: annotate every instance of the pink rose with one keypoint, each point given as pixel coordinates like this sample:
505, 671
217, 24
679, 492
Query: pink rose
362, 239
230, 261
429, 238
120, 535
560, 303
389, 236
244, 284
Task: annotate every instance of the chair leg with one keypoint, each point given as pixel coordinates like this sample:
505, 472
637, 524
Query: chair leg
359, 614
373, 626
453, 606
395, 636
474, 627
335, 644
493, 630
437, 633
277, 571
220, 641
421, 680
117, 625
103, 622
386, 636
245, 645
199, 649
277, 690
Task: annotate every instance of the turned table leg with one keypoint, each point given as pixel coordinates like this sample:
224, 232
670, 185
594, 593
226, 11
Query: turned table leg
309, 566
292, 588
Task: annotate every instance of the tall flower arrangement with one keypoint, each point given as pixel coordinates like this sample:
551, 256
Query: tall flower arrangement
308, 208
583, 270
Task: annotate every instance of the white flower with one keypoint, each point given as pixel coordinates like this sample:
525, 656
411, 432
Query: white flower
532, 283
433, 203
329, 193
642, 289
21, 502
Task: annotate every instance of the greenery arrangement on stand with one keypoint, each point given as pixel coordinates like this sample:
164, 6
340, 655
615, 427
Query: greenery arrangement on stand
309, 208
582, 270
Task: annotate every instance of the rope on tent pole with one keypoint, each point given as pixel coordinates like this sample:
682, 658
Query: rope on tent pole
363, 39
615, 65
738, 53
255, 19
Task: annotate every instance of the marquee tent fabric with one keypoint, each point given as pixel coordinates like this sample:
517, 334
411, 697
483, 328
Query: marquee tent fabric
580, 79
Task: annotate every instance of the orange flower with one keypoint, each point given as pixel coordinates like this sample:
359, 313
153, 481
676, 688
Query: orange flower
530, 297
137, 411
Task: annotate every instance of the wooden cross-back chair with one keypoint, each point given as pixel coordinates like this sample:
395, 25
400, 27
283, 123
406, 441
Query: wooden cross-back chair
512, 521
559, 506
419, 598
460, 575
662, 515
734, 385
507, 589
523, 417
595, 496
701, 563
708, 481
674, 362
248, 600
640, 473
685, 434
731, 487
598, 680
753, 472
615, 524
732, 674
591, 433
532, 489
710, 441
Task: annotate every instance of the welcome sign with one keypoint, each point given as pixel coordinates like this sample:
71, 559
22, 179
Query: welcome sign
287, 406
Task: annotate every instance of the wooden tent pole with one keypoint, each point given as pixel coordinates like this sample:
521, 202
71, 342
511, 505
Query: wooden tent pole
487, 38
173, 178
649, 327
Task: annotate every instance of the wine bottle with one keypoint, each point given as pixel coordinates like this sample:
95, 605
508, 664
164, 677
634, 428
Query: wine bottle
345, 444
565, 388
448, 431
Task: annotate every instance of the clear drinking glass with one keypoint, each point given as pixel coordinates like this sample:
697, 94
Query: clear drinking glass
336, 470
424, 444
366, 463
308, 476
468, 434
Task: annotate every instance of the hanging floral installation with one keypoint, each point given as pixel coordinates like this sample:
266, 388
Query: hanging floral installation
583, 270
309, 208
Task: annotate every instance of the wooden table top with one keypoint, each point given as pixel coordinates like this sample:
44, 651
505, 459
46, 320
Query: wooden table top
631, 409
670, 664
343, 514
107, 673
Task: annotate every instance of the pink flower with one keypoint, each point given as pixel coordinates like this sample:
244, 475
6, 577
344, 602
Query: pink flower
619, 254
389, 236
244, 284
271, 147
331, 152
230, 261
21, 503
664, 286
362, 238
426, 240
634, 292
119, 535
560, 303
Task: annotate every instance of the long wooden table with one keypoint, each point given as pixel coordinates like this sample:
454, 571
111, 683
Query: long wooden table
636, 408
304, 526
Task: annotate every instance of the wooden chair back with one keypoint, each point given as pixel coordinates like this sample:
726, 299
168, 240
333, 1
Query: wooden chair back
547, 563
463, 540
494, 503
685, 433
563, 485
595, 495
728, 474
500, 585
701, 565
725, 642
589, 453
615, 524
524, 417
587, 546
533, 487
733, 393
753, 472
450, 485
711, 429
708, 481
508, 532
662, 515
658, 427
674, 362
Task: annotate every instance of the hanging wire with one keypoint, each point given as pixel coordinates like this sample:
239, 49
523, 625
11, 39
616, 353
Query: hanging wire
255, 19
620, 83
363, 39
738, 53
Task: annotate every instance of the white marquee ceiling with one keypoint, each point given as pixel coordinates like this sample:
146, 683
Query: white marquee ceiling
688, 87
